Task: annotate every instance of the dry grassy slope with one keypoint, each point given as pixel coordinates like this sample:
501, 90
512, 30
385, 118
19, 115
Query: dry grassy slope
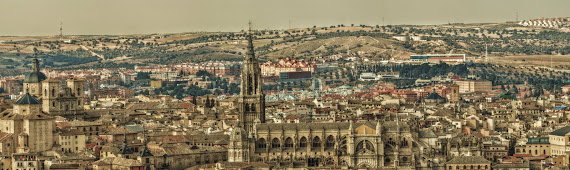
364, 44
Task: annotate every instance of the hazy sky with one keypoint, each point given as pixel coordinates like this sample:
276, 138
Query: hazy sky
42, 17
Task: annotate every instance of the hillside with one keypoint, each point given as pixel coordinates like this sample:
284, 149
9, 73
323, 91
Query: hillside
374, 42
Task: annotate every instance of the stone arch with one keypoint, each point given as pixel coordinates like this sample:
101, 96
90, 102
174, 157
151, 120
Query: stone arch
329, 161
316, 142
275, 143
261, 144
365, 146
363, 165
303, 142
330, 142
288, 142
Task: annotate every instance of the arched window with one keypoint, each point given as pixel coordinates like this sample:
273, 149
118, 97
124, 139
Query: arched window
486, 166
246, 107
288, 142
249, 84
255, 84
404, 142
330, 142
78, 92
53, 92
478, 166
275, 143
261, 143
365, 146
316, 142
472, 167
387, 160
253, 107
303, 142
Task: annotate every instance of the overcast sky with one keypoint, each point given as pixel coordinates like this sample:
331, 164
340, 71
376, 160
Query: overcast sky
95, 17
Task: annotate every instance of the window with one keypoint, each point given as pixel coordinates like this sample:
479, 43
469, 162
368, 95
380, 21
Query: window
330, 142
288, 142
303, 142
261, 143
316, 142
275, 143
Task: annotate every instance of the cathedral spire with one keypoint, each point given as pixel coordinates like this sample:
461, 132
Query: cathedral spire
250, 51
252, 100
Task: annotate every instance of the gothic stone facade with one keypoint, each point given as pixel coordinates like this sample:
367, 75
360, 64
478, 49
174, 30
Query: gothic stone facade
388, 144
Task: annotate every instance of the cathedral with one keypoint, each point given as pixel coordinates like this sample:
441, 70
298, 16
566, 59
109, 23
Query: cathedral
55, 99
362, 144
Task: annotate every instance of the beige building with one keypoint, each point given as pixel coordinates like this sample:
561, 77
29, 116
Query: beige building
286, 65
468, 162
469, 86
32, 129
560, 141
535, 147
72, 140
65, 102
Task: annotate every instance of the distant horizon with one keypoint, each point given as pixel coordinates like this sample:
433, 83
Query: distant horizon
131, 17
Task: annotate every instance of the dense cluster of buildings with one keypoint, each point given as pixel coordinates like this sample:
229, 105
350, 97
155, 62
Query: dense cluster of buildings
59, 121
287, 65
546, 22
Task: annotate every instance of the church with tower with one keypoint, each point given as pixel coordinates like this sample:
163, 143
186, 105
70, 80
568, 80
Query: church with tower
364, 144
31, 121
56, 100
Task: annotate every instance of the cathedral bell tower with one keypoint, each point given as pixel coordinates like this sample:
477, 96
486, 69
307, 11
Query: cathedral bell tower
251, 100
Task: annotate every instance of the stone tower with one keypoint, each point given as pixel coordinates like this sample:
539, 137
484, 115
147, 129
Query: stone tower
251, 100
238, 149
50, 94
76, 86
454, 98
32, 82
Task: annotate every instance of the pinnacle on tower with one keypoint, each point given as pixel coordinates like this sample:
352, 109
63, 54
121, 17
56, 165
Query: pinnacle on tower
250, 50
36, 64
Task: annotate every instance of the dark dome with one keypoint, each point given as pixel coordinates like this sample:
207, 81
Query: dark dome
28, 99
35, 77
